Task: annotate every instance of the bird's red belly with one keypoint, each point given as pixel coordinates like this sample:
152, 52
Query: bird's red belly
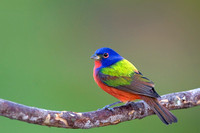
121, 95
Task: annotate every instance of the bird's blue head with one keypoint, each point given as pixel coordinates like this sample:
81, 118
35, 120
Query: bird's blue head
106, 56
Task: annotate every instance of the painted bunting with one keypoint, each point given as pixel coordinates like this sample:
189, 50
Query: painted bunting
121, 79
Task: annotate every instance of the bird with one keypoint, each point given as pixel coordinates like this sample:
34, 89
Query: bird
121, 79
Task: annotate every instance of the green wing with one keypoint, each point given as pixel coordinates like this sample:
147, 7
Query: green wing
124, 76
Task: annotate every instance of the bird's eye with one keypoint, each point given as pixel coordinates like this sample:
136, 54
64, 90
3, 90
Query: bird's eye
105, 55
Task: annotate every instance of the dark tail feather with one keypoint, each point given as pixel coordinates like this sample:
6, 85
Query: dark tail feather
164, 114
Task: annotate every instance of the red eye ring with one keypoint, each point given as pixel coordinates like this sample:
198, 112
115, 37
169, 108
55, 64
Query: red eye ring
105, 55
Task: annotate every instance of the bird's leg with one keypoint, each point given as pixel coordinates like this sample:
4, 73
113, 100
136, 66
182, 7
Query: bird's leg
129, 102
108, 106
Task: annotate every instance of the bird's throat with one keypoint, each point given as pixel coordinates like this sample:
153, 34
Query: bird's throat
97, 64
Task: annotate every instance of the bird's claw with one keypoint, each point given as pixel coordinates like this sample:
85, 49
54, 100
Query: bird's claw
127, 103
107, 107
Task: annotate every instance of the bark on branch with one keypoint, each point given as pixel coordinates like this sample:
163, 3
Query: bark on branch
85, 120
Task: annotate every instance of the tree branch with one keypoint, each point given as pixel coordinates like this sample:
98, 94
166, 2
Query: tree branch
85, 120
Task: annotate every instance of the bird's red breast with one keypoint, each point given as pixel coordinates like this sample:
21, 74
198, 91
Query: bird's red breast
119, 94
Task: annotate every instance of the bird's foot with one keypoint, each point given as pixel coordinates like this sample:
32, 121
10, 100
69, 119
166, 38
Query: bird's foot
129, 102
107, 107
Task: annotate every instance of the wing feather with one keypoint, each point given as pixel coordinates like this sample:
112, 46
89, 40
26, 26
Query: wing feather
136, 84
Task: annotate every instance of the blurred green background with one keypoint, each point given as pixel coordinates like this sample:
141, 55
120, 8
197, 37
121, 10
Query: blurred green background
45, 49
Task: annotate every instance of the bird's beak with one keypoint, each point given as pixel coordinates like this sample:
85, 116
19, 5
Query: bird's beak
95, 57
